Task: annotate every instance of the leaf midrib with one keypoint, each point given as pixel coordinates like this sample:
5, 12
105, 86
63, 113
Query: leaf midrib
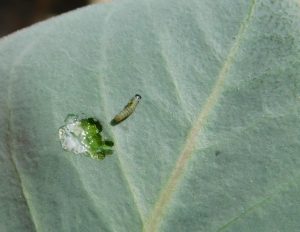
164, 198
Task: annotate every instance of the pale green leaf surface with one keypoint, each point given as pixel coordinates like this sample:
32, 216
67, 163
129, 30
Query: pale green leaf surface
213, 145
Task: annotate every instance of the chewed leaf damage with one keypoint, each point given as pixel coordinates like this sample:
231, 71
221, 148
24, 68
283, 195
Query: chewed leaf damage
84, 136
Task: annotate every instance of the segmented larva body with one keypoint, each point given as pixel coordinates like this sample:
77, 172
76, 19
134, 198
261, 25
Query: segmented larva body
127, 111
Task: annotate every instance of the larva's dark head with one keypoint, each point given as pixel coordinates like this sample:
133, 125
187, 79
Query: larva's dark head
138, 96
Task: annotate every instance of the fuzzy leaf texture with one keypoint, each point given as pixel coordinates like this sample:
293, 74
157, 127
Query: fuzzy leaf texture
212, 146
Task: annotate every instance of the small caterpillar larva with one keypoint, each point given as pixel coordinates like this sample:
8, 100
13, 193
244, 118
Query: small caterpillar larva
127, 111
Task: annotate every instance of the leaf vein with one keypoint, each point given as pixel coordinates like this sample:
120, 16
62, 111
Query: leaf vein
244, 213
9, 133
120, 162
166, 193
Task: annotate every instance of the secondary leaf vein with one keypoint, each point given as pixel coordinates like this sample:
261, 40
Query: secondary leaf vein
10, 133
120, 162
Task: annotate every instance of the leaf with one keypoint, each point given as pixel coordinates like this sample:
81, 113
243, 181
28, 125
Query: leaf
212, 146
